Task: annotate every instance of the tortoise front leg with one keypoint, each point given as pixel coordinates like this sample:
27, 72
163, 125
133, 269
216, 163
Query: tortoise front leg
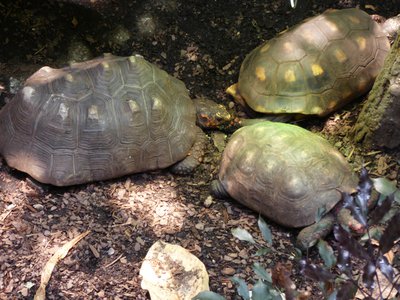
309, 235
195, 156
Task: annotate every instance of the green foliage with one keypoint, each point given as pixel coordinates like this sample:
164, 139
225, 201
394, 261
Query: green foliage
321, 212
265, 231
350, 250
242, 288
263, 288
336, 277
386, 188
326, 252
260, 290
262, 273
207, 295
243, 235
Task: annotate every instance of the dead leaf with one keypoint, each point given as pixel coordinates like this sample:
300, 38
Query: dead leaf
281, 278
382, 165
390, 256
388, 291
51, 263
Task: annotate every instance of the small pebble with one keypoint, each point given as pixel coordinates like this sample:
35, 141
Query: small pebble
208, 202
394, 89
111, 251
199, 226
38, 206
24, 292
123, 260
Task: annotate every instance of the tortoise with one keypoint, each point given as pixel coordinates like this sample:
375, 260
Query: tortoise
287, 174
101, 119
315, 67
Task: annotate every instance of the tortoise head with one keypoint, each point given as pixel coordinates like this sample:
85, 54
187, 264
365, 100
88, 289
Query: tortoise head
211, 115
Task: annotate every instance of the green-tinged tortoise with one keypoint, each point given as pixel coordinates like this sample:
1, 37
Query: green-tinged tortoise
100, 119
287, 174
315, 67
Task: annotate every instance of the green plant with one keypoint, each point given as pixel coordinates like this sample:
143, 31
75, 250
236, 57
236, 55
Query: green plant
336, 277
263, 289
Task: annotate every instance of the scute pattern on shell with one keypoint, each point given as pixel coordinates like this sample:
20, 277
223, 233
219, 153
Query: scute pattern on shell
284, 172
97, 120
315, 67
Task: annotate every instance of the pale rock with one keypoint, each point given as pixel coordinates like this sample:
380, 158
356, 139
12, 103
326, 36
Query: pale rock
170, 272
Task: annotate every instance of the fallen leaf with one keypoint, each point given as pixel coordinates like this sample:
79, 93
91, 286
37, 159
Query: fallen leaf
51, 263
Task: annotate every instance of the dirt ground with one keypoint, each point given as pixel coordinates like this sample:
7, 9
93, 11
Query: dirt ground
201, 42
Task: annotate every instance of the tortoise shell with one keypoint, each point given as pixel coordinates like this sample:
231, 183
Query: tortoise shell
97, 120
315, 67
284, 172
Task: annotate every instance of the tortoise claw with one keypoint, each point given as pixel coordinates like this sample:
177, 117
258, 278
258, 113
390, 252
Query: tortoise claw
346, 219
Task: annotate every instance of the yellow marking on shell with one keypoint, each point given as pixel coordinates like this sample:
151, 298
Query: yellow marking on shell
332, 26
354, 20
105, 65
288, 47
347, 93
63, 111
69, 77
260, 73
248, 162
134, 107
27, 93
259, 108
132, 59
265, 47
46, 69
308, 35
332, 103
289, 76
317, 69
362, 84
362, 43
93, 112
157, 104
340, 55
316, 110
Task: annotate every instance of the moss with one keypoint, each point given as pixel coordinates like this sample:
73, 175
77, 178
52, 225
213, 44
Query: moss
379, 99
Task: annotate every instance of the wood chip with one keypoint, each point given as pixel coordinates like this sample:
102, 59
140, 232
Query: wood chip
228, 271
94, 251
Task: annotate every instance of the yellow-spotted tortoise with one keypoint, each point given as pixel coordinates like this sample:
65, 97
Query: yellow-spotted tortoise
101, 119
315, 67
285, 173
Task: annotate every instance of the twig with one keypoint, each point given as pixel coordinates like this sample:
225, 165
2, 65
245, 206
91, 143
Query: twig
5, 214
113, 262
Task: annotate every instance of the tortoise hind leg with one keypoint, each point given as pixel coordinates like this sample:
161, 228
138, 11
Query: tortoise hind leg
195, 156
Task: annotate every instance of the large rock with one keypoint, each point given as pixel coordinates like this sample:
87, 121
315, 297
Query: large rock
170, 272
